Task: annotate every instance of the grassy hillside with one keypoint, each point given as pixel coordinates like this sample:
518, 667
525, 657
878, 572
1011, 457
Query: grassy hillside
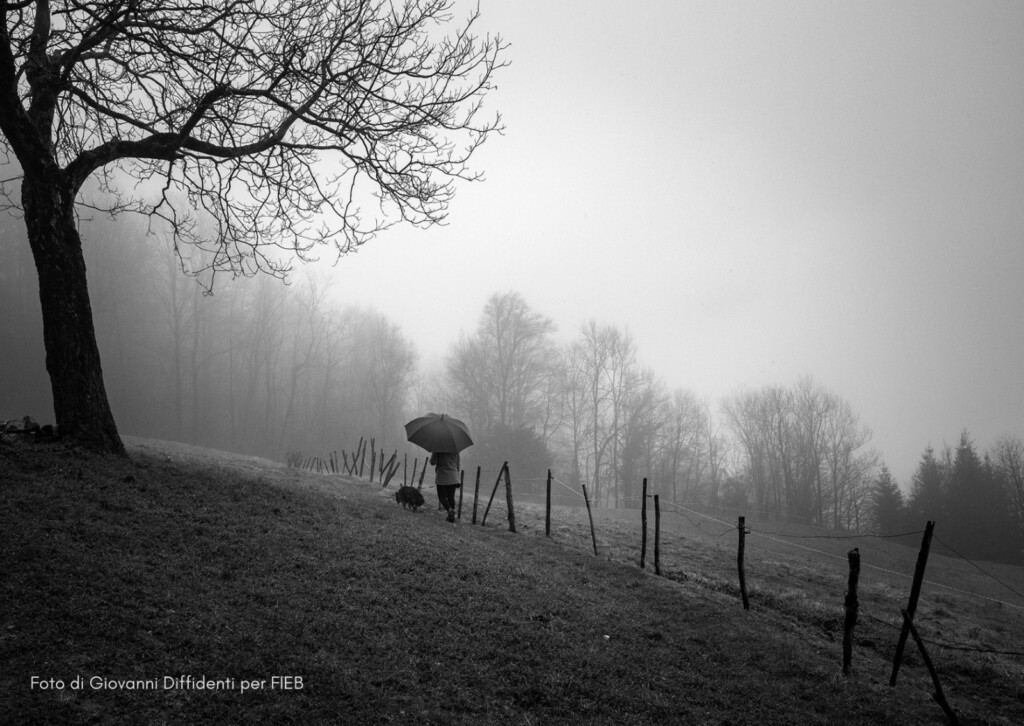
144, 576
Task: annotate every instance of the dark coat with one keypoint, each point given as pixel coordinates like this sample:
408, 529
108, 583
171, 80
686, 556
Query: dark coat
446, 468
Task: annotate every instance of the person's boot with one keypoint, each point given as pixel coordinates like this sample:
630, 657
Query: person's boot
451, 515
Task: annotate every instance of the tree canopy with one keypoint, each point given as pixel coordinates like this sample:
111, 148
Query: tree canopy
275, 119
245, 128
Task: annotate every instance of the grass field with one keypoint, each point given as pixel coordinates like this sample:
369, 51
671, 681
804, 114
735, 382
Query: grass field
144, 576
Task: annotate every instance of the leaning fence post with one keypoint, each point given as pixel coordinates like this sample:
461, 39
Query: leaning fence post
739, 563
593, 535
915, 593
643, 526
657, 536
493, 492
392, 468
851, 609
547, 507
940, 697
508, 499
476, 493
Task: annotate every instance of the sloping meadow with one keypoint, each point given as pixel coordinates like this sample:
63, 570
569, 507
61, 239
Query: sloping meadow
184, 585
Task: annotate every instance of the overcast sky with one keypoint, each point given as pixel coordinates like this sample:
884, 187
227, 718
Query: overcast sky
757, 191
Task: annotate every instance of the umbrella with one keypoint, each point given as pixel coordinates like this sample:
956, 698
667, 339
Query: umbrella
438, 432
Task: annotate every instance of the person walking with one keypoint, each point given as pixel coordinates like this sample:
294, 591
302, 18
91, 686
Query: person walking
446, 479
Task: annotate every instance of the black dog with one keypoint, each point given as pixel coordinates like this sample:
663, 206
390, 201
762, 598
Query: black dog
409, 497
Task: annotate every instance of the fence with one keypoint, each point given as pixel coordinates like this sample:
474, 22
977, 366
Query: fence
762, 569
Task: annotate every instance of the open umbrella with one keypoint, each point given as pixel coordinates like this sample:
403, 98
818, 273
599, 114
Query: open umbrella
437, 432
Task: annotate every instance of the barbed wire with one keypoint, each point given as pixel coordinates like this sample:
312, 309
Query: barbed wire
559, 481
841, 536
899, 574
678, 510
978, 567
775, 536
829, 554
948, 646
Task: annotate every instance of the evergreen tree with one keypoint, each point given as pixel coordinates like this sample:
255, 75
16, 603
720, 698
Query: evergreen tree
887, 504
981, 524
926, 495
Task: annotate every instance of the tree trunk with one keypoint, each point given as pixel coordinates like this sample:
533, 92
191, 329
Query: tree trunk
80, 403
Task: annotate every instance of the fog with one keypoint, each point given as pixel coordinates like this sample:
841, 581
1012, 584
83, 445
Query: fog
758, 191
755, 196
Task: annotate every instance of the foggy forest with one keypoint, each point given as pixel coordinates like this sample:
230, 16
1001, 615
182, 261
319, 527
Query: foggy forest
201, 340
264, 368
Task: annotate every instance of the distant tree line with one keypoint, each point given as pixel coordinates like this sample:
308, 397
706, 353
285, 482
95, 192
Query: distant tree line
609, 422
264, 368
586, 406
259, 367
800, 454
805, 454
977, 500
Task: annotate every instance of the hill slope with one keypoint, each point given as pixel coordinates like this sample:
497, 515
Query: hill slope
146, 576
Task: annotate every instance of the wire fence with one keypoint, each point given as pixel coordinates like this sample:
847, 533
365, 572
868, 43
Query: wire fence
717, 528
696, 521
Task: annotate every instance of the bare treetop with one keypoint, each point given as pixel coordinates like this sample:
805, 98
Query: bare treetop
283, 124
253, 130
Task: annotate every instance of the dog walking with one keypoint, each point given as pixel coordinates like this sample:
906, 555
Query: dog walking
444, 437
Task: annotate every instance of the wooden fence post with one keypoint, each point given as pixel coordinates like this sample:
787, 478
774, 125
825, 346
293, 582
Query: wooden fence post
851, 609
476, 493
423, 471
388, 472
940, 697
643, 526
547, 515
462, 481
593, 535
493, 492
915, 593
657, 536
739, 562
508, 500
362, 459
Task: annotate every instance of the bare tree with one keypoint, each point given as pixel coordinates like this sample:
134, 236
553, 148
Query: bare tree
606, 373
645, 414
593, 355
386, 362
741, 415
575, 398
806, 452
501, 375
308, 328
280, 121
1008, 453
687, 445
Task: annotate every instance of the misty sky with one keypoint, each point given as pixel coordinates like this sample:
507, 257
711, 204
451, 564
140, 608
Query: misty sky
757, 191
